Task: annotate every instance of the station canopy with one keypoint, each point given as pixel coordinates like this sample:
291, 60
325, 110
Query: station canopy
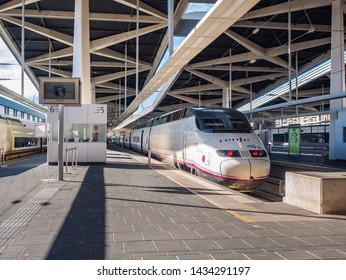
219, 45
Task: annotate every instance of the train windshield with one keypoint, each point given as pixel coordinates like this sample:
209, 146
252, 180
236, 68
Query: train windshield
221, 123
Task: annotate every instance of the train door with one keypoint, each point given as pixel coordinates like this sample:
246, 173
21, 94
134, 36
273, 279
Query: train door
187, 143
142, 141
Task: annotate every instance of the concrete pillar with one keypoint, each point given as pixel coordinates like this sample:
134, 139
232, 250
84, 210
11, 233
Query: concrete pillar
93, 94
337, 148
81, 49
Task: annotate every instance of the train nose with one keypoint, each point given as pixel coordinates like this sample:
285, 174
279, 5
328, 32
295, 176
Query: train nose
245, 170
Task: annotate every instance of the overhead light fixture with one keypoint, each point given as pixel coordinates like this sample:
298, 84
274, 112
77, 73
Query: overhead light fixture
312, 29
256, 30
253, 60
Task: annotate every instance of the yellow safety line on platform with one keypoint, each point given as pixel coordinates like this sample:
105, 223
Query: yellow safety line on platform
234, 214
244, 219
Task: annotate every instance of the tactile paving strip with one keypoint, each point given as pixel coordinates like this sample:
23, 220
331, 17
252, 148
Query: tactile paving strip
11, 227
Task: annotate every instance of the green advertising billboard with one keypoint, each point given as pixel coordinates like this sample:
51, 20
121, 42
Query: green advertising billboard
294, 139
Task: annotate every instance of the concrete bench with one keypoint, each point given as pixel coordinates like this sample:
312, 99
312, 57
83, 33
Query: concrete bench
319, 192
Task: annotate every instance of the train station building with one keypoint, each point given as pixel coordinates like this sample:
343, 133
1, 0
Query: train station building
280, 63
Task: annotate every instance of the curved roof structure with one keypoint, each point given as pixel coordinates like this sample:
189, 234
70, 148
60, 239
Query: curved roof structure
250, 38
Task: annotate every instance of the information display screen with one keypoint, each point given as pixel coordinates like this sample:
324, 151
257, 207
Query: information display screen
59, 90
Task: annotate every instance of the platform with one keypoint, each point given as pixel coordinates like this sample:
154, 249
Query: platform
125, 209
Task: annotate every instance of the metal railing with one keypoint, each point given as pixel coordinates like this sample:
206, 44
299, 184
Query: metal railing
2, 157
74, 160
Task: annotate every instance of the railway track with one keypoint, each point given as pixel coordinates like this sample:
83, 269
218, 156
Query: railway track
269, 191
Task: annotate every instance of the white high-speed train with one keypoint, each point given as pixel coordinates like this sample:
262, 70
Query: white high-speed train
18, 139
212, 142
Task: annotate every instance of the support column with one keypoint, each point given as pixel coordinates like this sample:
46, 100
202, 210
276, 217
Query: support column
81, 49
225, 98
93, 94
337, 146
170, 26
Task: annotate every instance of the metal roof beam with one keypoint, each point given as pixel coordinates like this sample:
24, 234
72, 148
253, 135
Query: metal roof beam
195, 101
53, 55
105, 64
235, 83
55, 35
299, 102
305, 107
180, 9
298, 46
270, 52
243, 68
117, 75
209, 78
223, 14
244, 90
296, 5
53, 70
315, 91
257, 50
256, 79
113, 97
281, 26
116, 87
16, 53
54, 62
15, 4
170, 108
193, 90
143, 8
223, 60
69, 52
70, 15
122, 37
119, 56
187, 99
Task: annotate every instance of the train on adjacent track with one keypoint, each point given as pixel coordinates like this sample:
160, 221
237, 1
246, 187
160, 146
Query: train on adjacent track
215, 143
18, 138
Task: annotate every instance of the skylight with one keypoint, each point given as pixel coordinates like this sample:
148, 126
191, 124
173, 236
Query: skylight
196, 9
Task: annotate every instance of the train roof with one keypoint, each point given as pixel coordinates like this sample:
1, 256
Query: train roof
13, 119
212, 110
194, 111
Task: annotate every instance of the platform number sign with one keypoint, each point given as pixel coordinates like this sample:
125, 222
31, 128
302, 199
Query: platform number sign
100, 110
54, 109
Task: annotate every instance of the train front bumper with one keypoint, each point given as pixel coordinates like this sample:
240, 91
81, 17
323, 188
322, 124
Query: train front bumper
244, 174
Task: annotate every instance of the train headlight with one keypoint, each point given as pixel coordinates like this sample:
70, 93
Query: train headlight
258, 153
228, 153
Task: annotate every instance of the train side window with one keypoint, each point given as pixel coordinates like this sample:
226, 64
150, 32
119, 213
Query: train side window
176, 116
182, 113
22, 142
